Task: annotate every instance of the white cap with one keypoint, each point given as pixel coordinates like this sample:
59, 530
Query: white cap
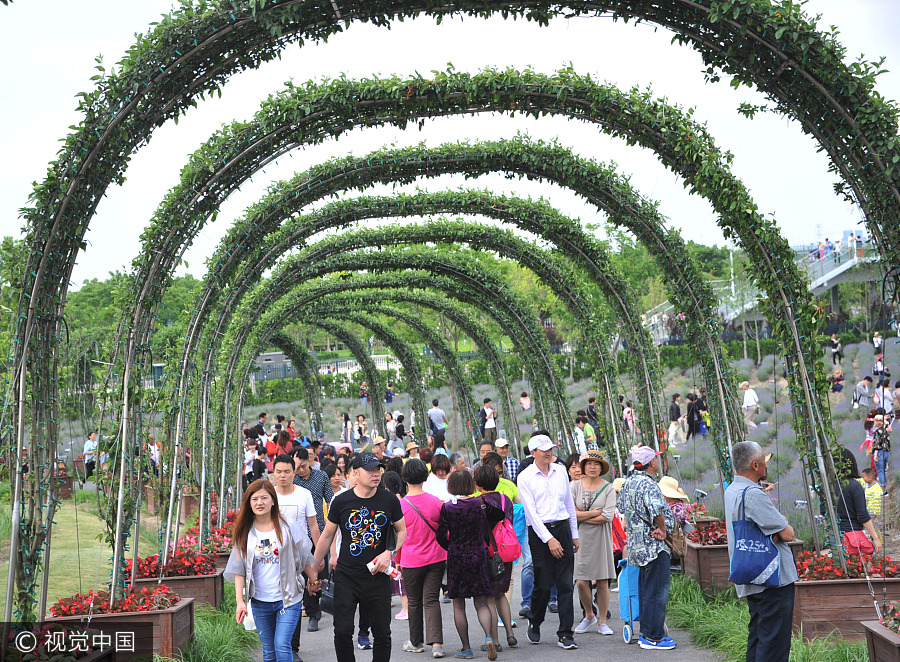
540, 442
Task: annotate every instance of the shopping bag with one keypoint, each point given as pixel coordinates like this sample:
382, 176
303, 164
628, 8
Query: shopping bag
755, 559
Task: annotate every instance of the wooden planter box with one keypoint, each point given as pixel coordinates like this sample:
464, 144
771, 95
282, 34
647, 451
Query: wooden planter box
883, 644
79, 468
65, 486
837, 604
108, 655
190, 506
222, 559
149, 500
172, 628
710, 565
204, 589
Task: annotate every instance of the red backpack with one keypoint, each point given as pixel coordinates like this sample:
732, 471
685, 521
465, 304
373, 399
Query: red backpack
503, 538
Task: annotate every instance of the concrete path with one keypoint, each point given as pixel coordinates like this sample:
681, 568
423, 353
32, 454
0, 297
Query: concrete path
318, 646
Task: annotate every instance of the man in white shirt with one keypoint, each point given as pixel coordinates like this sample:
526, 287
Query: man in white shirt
438, 422
552, 537
295, 504
90, 449
488, 417
750, 405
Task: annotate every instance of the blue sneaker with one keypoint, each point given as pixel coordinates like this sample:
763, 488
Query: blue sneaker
666, 644
364, 643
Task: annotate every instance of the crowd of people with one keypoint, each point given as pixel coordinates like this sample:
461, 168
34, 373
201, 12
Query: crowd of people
386, 520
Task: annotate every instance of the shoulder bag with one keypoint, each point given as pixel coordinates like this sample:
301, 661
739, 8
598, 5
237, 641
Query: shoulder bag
675, 541
755, 559
496, 566
424, 519
596, 496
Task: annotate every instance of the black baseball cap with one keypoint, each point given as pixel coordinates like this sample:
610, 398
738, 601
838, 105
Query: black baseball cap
366, 461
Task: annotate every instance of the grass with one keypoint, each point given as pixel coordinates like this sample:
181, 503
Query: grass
720, 623
79, 559
218, 637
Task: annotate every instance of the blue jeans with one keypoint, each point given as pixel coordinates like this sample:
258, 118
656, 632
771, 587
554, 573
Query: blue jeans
275, 627
653, 594
881, 467
527, 573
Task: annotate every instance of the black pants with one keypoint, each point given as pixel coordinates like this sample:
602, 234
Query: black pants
89, 467
771, 618
550, 571
373, 592
311, 600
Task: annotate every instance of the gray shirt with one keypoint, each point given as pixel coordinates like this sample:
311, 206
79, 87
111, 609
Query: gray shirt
758, 508
862, 393
437, 417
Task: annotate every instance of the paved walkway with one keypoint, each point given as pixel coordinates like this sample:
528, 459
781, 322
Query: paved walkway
318, 646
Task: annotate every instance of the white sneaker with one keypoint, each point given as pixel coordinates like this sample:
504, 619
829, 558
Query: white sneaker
585, 625
605, 629
615, 589
410, 647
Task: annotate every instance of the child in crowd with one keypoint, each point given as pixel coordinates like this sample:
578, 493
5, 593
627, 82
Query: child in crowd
874, 493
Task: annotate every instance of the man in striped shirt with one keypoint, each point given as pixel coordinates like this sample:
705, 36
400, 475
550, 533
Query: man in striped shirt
318, 484
510, 464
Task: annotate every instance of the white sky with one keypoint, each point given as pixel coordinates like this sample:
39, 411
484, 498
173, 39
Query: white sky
49, 47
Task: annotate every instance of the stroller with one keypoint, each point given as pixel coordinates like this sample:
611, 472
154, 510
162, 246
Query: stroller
629, 606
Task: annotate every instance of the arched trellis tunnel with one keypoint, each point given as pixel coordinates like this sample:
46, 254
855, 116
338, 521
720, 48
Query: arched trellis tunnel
515, 316
573, 243
777, 51
370, 292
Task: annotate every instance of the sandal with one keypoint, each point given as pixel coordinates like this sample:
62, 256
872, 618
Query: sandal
511, 641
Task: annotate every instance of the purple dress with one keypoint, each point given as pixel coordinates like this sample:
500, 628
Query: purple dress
462, 531
497, 500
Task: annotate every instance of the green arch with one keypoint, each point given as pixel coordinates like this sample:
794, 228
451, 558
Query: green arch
574, 244
338, 306
192, 51
398, 288
518, 321
308, 371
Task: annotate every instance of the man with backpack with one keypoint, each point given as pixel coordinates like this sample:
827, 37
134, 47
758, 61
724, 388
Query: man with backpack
861, 398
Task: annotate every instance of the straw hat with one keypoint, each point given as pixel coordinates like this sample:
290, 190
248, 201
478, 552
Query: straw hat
618, 483
412, 445
595, 456
669, 487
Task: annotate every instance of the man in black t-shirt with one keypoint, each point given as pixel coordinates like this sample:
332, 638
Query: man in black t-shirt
365, 516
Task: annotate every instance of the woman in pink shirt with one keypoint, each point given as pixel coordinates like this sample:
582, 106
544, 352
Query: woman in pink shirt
422, 561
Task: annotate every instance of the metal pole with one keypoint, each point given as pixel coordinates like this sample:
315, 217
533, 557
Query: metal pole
812, 516
201, 518
222, 506
45, 573
16, 495
137, 536
123, 452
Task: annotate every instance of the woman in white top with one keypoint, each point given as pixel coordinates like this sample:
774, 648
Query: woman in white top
436, 483
268, 558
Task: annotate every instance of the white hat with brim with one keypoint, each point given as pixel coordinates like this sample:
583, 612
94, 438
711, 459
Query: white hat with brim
669, 487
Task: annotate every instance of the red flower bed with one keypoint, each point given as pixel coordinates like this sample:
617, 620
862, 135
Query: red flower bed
709, 533
97, 602
890, 617
812, 566
182, 563
696, 510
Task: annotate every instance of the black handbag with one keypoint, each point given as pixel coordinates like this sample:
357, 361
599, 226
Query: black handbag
326, 599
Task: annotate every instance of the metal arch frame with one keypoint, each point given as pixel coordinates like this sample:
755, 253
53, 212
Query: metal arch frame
462, 385
307, 370
575, 245
398, 288
509, 312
